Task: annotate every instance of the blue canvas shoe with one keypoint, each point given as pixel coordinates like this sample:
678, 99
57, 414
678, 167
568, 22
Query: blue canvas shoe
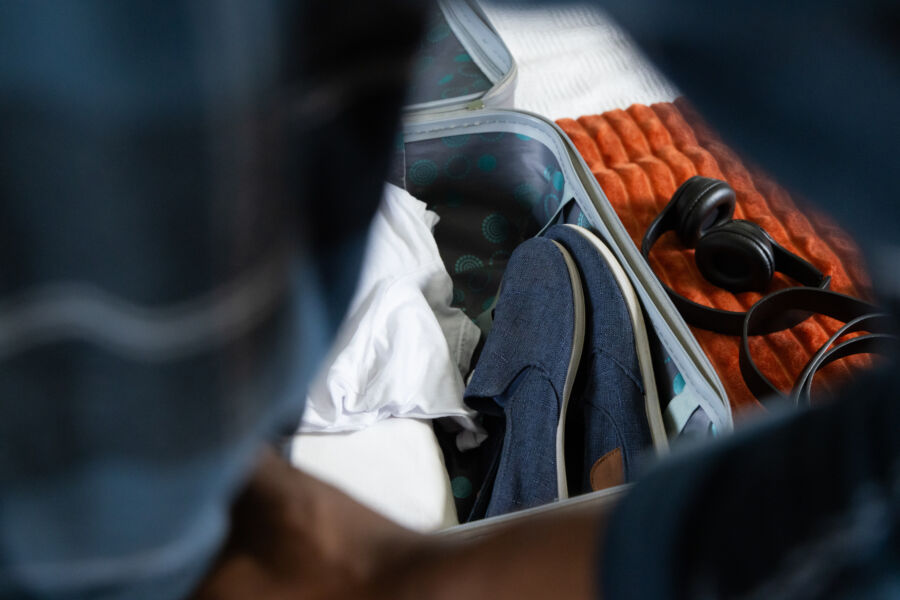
524, 378
614, 417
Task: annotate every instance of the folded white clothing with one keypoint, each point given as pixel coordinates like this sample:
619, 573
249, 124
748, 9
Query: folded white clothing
402, 350
395, 467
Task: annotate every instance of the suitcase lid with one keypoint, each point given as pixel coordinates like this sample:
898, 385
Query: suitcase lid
462, 63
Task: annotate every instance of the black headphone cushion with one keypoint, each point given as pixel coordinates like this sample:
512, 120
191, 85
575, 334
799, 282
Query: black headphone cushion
702, 203
737, 256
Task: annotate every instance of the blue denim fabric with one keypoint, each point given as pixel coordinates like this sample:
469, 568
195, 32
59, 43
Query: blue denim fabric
804, 505
519, 379
172, 265
607, 402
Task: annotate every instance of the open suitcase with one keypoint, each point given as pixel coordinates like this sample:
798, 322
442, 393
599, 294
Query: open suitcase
497, 176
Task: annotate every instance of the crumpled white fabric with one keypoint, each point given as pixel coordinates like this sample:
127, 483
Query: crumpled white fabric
402, 351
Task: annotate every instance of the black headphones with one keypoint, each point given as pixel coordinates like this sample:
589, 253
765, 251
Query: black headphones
766, 316
733, 254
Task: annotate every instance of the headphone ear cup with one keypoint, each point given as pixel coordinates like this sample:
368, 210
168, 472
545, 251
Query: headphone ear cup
737, 256
701, 203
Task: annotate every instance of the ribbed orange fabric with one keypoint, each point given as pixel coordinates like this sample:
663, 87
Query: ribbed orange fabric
641, 155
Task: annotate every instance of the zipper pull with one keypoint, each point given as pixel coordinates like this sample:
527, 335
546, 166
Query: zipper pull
475, 104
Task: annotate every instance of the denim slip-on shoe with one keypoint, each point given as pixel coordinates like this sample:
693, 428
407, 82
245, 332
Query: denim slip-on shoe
524, 378
615, 416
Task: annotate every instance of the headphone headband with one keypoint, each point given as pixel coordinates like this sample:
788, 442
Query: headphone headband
739, 256
672, 217
766, 316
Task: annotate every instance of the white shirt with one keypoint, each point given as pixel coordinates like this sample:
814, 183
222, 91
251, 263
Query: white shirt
402, 350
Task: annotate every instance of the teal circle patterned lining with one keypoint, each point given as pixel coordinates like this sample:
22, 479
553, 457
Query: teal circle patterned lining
467, 262
677, 384
423, 172
487, 162
446, 79
461, 487
453, 199
487, 303
498, 256
478, 279
526, 196
467, 169
423, 63
495, 228
558, 181
470, 70
582, 221
457, 166
455, 141
462, 57
438, 33
454, 91
492, 136
551, 203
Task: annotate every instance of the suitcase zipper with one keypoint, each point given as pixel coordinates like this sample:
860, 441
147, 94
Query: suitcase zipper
501, 94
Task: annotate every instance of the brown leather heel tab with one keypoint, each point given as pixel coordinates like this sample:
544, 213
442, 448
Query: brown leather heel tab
608, 471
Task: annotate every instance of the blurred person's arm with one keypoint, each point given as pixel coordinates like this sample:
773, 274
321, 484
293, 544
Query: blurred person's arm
296, 537
172, 264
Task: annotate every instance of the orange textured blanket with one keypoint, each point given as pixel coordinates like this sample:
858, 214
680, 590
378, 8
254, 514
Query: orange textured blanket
641, 155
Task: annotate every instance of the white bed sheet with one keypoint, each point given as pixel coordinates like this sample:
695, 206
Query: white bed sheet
575, 60
395, 467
